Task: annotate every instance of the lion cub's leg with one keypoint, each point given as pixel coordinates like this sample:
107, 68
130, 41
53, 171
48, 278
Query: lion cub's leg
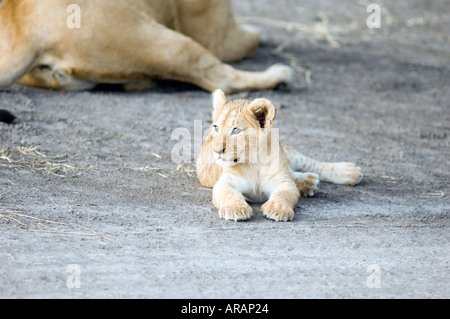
230, 202
281, 203
338, 173
307, 183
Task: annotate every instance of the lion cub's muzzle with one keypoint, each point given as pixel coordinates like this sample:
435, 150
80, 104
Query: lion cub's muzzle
223, 159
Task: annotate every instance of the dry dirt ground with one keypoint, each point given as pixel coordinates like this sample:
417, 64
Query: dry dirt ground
92, 205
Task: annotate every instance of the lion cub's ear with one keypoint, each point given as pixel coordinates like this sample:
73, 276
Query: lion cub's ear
263, 112
219, 99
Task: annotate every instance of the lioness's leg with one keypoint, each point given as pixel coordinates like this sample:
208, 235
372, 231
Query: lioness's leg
338, 173
172, 55
18, 49
230, 203
212, 24
14, 64
48, 77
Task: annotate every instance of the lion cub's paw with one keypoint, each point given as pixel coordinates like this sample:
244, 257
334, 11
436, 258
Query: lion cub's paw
307, 183
348, 174
277, 211
236, 213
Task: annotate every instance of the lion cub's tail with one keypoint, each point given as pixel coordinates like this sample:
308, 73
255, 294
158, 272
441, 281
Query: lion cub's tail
338, 173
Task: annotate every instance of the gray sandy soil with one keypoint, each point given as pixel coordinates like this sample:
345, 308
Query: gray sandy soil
89, 194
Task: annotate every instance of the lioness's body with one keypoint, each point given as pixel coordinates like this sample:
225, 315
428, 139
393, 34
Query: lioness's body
127, 41
242, 159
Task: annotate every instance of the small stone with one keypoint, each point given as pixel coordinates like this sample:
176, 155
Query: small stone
6, 116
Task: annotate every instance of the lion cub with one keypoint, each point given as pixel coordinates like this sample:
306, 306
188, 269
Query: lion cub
243, 160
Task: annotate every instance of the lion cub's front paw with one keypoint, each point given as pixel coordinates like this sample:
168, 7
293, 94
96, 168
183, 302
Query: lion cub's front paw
277, 211
236, 213
307, 183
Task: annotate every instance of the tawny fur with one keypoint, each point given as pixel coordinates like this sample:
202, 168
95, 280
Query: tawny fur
129, 42
243, 160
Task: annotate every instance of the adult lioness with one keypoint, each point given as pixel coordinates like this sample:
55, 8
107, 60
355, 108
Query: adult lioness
243, 159
127, 41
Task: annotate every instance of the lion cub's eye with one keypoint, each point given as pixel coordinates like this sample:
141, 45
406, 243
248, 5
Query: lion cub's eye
216, 128
236, 131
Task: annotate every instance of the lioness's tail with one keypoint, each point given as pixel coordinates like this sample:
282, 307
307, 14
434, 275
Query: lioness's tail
338, 173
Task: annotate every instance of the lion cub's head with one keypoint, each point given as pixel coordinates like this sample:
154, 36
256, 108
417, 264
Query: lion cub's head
240, 129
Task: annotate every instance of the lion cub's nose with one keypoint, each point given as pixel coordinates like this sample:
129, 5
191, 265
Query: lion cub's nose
220, 152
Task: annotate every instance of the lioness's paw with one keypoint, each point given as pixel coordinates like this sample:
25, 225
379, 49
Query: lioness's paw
281, 72
307, 183
236, 213
251, 30
277, 211
347, 174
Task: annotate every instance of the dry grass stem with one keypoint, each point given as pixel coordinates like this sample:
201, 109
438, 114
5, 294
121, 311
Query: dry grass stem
188, 169
30, 151
149, 168
20, 220
36, 161
438, 194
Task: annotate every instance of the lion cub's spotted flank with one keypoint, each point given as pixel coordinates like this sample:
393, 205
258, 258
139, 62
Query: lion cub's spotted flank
243, 160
